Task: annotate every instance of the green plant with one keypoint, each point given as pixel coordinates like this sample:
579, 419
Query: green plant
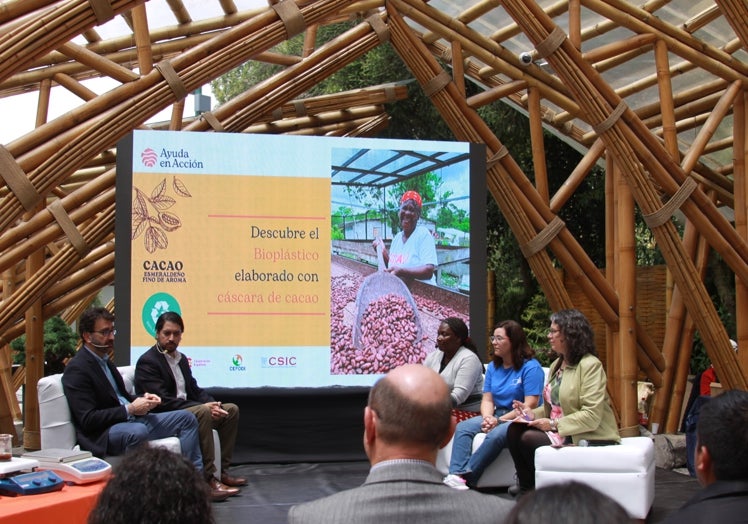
59, 344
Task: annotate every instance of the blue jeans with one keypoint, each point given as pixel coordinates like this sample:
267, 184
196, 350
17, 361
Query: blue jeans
472, 465
125, 436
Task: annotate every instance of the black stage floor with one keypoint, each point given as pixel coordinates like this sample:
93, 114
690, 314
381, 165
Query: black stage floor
274, 488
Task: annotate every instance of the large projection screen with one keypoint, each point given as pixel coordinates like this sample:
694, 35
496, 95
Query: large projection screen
263, 243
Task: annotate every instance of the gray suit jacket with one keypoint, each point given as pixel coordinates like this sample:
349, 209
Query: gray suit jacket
403, 493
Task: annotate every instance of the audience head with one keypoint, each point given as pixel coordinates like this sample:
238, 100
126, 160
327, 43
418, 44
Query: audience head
87, 320
153, 484
577, 333
410, 408
721, 452
519, 349
568, 503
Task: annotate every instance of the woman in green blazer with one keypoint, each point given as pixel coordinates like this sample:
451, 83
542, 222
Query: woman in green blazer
576, 405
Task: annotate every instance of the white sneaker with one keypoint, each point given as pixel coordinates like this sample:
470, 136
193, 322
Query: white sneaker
455, 482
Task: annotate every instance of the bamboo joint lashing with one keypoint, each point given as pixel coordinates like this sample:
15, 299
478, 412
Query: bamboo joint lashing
68, 227
551, 43
496, 157
436, 84
609, 122
291, 16
379, 27
277, 113
17, 181
543, 238
212, 121
390, 94
102, 9
172, 79
663, 214
300, 108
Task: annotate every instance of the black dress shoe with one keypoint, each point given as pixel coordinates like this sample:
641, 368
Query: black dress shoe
233, 481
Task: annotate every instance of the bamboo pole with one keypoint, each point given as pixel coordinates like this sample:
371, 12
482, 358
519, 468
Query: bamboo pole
625, 356
538, 144
740, 151
598, 101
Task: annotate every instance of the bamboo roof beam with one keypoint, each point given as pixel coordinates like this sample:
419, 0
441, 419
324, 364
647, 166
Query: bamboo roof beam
135, 102
504, 183
96, 62
707, 131
243, 110
142, 39
470, 14
740, 133
736, 13
321, 119
180, 11
680, 42
624, 143
50, 30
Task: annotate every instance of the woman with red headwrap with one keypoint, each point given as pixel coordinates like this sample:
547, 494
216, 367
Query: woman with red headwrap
412, 254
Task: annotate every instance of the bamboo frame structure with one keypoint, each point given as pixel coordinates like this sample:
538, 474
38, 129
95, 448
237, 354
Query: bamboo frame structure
672, 137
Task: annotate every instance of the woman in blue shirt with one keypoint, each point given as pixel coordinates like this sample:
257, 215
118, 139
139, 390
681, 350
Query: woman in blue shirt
512, 375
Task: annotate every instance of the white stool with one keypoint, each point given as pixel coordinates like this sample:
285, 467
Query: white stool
624, 472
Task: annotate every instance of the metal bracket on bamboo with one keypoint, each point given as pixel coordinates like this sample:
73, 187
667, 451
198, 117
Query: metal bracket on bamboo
172, 79
379, 27
663, 214
496, 157
212, 121
68, 227
550, 44
290, 14
102, 9
17, 181
606, 124
543, 238
436, 84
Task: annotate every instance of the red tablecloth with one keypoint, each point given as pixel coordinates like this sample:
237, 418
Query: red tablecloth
70, 505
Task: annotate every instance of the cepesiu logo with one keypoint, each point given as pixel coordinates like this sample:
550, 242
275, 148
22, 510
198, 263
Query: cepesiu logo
149, 157
237, 363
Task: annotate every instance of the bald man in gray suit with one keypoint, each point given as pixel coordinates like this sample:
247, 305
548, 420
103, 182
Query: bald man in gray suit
407, 419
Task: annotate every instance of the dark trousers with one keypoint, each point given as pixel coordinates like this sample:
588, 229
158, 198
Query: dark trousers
522, 441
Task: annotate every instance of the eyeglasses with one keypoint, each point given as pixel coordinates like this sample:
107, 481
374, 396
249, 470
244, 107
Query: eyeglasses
552, 332
106, 332
497, 339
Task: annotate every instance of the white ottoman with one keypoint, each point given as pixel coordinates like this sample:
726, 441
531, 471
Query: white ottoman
624, 472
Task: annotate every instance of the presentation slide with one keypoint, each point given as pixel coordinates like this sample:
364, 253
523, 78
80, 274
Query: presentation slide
267, 247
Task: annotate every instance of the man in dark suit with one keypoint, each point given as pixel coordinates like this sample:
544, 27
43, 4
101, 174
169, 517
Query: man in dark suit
165, 371
407, 419
721, 463
108, 420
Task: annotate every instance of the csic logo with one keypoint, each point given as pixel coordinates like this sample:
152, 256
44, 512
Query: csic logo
278, 362
237, 362
149, 157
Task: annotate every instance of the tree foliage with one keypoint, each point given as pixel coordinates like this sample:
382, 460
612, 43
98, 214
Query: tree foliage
59, 345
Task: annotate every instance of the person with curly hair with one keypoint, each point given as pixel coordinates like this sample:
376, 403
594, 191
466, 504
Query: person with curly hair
153, 485
576, 405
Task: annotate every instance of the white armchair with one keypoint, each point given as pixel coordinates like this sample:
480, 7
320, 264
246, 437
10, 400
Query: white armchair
56, 426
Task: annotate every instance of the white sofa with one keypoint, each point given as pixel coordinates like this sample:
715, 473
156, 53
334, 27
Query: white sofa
56, 427
499, 473
623, 472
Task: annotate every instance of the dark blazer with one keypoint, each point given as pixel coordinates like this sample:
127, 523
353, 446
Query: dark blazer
93, 403
403, 493
153, 375
724, 501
